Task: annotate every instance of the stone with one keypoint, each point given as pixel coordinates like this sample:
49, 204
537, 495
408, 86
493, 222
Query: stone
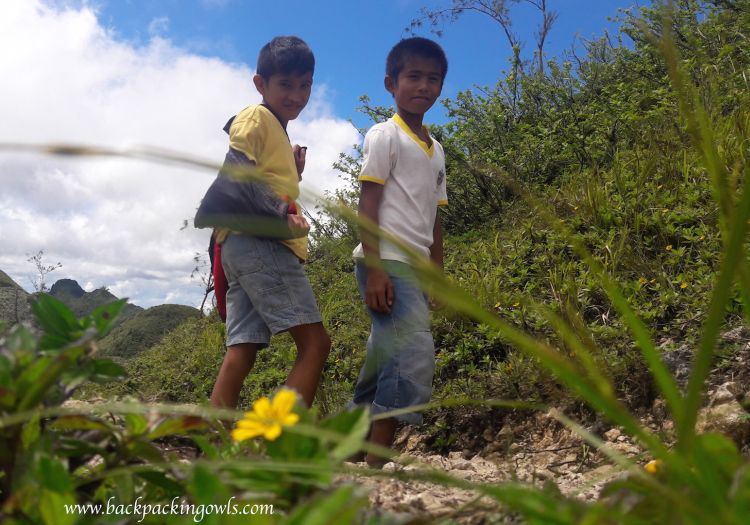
612, 434
728, 418
726, 393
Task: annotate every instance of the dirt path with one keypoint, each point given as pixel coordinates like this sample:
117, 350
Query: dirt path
550, 453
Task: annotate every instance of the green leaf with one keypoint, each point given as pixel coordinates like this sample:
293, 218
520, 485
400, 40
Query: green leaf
135, 423
105, 316
56, 319
353, 424
30, 433
79, 423
339, 508
32, 374
105, 370
52, 508
53, 475
178, 425
210, 451
145, 450
206, 487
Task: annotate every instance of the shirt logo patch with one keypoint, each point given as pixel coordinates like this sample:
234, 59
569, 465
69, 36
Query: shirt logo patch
441, 177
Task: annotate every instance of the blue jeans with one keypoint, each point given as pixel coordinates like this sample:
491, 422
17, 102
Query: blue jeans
400, 361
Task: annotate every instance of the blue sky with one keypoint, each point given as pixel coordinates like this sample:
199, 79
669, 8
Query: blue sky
352, 38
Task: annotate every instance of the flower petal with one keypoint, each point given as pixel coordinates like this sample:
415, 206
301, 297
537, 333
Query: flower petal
272, 432
284, 401
262, 407
249, 421
241, 434
289, 420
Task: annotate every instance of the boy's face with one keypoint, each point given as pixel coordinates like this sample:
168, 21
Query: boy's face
418, 85
286, 93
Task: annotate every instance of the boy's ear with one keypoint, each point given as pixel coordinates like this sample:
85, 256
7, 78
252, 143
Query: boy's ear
390, 84
260, 83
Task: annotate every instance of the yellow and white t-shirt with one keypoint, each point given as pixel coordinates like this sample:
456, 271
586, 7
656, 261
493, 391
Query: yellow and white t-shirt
258, 134
413, 175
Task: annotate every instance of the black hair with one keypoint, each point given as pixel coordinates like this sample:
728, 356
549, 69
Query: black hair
285, 54
408, 47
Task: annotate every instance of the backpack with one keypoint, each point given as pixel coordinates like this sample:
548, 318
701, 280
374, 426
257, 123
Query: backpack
220, 284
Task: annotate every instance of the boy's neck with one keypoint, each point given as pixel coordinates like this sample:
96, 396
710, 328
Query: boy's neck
413, 120
269, 108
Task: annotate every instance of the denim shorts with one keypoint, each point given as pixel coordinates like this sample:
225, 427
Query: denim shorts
268, 290
400, 360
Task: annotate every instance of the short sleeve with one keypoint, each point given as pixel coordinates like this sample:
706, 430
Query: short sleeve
378, 157
247, 135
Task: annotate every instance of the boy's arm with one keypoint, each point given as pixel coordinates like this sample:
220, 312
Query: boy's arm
264, 202
379, 288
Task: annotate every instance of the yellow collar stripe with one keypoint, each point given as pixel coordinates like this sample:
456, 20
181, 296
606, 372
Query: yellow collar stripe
422, 144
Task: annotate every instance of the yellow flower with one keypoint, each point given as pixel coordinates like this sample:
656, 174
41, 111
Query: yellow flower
701, 237
268, 417
653, 466
668, 248
642, 280
683, 285
497, 305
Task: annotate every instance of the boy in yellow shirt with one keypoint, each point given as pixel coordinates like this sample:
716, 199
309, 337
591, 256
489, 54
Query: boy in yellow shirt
268, 291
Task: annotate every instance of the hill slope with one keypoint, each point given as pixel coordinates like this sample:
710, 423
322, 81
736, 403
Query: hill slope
14, 301
144, 329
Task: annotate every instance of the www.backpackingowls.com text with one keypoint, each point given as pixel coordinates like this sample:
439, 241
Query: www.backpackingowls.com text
175, 507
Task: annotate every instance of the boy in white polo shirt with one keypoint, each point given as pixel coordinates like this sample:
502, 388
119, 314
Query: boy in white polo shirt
403, 183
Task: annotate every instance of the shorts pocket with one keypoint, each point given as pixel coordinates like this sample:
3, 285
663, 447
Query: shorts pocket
247, 264
275, 299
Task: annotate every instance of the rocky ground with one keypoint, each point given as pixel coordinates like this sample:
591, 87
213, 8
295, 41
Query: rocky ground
539, 450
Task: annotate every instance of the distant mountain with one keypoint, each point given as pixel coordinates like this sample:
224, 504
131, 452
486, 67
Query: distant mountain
14, 301
136, 329
83, 303
144, 329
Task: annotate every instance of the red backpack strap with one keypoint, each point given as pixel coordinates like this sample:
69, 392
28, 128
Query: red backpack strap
220, 283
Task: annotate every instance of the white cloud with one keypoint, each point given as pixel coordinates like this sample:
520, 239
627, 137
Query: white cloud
116, 222
158, 26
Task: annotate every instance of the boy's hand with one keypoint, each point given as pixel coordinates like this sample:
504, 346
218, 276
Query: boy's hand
297, 224
299, 158
379, 291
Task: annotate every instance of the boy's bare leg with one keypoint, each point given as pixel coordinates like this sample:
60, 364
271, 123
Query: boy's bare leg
238, 361
382, 432
313, 345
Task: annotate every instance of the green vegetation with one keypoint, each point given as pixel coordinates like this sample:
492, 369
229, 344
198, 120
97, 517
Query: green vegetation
599, 213
144, 329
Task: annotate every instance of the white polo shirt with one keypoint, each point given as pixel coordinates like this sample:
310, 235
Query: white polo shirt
413, 176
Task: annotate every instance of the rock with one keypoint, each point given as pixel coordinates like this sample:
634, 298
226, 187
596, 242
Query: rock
728, 418
726, 393
735, 335
678, 360
612, 434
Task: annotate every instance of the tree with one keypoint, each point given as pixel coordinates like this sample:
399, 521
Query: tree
498, 11
42, 269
